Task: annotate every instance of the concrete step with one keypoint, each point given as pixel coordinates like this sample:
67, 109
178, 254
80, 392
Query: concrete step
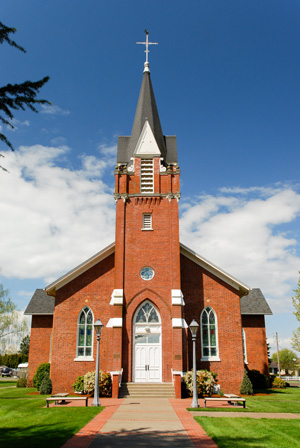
154, 390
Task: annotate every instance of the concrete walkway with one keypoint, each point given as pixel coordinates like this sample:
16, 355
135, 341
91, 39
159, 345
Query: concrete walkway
142, 422
152, 422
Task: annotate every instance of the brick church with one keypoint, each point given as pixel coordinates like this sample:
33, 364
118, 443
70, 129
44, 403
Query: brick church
147, 287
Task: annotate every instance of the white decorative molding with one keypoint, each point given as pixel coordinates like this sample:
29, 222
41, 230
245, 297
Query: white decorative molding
170, 196
179, 323
84, 358
130, 166
162, 168
115, 322
117, 297
123, 196
177, 297
146, 145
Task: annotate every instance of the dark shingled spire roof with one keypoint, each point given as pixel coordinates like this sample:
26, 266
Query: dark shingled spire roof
255, 303
147, 110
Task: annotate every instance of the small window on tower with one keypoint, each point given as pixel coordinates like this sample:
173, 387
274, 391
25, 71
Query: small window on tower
147, 221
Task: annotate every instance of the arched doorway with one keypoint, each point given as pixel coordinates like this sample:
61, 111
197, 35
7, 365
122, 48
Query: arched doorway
147, 344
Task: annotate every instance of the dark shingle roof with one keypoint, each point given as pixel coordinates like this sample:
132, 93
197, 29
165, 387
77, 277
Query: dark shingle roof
40, 303
255, 303
147, 110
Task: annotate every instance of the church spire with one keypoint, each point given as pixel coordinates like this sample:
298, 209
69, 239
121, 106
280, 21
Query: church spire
147, 111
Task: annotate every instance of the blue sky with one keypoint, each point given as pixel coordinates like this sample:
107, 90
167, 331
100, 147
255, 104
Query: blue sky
226, 81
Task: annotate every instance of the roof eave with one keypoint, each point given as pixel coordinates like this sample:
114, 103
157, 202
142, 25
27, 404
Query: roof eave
215, 270
78, 270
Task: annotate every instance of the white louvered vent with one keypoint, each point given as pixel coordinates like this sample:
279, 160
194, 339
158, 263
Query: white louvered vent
147, 176
147, 221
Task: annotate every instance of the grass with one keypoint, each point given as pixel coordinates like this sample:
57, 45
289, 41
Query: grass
25, 422
8, 383
283, 401
252, 433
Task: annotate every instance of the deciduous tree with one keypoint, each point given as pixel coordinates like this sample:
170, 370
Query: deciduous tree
295, 340
287, 359
10, 321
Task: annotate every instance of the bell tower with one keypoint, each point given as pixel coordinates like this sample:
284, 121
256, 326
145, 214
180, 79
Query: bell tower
147, 251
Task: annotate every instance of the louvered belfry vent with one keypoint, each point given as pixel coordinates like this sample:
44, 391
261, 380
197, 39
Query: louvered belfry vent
147, 221
147, 176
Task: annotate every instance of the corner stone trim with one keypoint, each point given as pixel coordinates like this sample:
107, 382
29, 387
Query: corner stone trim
177, 297
179, 323
117, 297
115, 322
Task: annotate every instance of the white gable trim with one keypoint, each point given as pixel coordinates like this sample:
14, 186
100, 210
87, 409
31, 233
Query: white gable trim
215, 270
146, 145
83, 267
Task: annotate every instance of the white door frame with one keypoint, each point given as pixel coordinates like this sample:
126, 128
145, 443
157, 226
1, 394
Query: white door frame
147, 331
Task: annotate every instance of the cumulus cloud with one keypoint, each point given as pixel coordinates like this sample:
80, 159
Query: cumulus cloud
247, 235
55, 218
53, 110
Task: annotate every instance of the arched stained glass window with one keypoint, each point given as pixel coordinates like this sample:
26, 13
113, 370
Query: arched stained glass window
209, 333
147, 314
244, 346
147, 328
85, 333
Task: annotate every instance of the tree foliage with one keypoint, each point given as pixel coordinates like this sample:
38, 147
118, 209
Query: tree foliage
17, 96
24, 346
287, 359
10, 321
296, 334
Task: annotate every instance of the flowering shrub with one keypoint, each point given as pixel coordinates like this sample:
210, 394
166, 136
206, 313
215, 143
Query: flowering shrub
205, 382
86, 384
278, 383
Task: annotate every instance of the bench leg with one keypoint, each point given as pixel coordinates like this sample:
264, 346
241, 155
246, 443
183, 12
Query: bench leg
47, 404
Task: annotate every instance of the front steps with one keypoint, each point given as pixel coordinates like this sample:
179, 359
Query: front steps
147, 390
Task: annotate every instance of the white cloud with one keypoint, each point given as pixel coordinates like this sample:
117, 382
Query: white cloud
16, 124
53, 110
248, 237
55, 218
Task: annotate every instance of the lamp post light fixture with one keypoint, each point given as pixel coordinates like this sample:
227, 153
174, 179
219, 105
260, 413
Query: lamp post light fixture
194, 328
98, 325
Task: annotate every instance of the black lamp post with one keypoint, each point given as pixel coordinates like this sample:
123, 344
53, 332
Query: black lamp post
98, 325
194, 328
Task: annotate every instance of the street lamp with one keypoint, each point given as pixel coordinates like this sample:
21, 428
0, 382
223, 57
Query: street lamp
194, 328
98, 325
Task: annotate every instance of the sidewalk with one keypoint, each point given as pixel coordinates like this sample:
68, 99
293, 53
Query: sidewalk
142, 422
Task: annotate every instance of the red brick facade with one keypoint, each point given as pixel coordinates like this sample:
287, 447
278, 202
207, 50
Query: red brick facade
112, 287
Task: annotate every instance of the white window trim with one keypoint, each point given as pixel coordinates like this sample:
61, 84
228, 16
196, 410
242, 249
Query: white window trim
84, 358
244, 346
144, 227
210, 358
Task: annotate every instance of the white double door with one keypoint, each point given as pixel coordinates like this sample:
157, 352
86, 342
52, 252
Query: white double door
147, 363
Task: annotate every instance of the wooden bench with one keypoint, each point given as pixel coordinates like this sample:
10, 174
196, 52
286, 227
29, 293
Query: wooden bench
229, 400
63, 400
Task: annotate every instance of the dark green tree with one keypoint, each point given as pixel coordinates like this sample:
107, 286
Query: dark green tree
24, 346
17, 96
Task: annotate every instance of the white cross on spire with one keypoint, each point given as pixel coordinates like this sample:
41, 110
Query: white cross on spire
147, 43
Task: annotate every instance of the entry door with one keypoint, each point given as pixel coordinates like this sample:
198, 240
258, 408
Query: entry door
147, 363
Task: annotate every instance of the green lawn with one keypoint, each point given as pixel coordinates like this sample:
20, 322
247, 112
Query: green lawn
25, 422
8, 383
252, 433
286, 400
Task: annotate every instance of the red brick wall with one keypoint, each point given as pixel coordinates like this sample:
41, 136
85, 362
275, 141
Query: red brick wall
93, 289
256, 343
39, 349
200, 288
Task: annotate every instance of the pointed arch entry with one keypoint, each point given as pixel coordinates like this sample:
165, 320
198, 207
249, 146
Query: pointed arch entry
147, 356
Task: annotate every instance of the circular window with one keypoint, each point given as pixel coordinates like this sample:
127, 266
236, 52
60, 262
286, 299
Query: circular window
147, 273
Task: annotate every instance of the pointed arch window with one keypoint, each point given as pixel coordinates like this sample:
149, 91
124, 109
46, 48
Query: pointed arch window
209, 335
244, 346
147, 324
84, 349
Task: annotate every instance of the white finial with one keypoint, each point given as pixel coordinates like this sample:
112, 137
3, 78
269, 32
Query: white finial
147, 43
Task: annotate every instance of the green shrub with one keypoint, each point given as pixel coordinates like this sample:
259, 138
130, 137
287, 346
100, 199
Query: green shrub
46, 385
22, 382
278, 383
78, 386
40, 373
104, 383
258, 380
205, 382
246, 386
